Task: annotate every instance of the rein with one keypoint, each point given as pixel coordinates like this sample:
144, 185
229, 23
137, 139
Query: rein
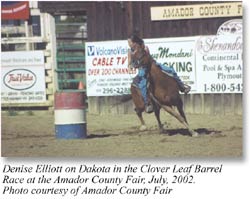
141, 57
140, 60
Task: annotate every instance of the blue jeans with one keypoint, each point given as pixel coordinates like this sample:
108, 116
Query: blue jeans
140, 81
172, 73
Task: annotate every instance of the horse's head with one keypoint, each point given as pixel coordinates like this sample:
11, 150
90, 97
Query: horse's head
141, 57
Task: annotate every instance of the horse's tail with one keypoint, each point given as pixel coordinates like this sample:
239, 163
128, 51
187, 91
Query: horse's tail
123, 99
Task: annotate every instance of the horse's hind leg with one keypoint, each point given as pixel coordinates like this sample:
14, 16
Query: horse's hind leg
180, 118
180, 109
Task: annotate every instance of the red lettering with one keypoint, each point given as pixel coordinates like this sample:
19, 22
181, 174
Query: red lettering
123, 60
20, 77
118, 60
99, 62
94, 61
93, 71
104, 61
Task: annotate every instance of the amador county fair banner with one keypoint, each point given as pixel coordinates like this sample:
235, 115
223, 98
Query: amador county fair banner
209, 64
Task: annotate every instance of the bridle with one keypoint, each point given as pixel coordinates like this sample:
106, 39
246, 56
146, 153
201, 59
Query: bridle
140, 59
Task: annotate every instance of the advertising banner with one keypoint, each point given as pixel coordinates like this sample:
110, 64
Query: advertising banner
106, 68
219, 64
196, 11
23, 77
15, 10
107, 64
177, 53
209, 64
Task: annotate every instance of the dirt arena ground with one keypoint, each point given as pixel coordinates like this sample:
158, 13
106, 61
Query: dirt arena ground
118, 136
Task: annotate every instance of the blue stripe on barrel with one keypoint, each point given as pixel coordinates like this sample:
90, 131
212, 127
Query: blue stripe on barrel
70, 117
71, 131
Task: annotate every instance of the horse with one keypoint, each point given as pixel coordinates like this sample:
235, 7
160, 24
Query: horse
163, 91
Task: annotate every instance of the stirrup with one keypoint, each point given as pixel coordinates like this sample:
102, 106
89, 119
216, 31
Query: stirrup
149, 108
187, 89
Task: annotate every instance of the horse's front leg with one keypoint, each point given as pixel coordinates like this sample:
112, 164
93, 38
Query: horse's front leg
143, 126
139, 105
157, 109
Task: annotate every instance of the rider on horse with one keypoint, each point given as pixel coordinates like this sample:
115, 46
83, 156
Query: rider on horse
140, 81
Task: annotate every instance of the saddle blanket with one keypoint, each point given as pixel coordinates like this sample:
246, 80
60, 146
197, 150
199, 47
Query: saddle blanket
167, 70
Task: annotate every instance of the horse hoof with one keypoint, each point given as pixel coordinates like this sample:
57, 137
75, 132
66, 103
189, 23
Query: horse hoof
194, 134
143, 128
165, 126
163, 131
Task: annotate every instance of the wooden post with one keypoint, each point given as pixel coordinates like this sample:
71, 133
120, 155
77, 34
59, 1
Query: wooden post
212, 104
192, 103
51, 46
233, 103
130, 17
42, 25
202, 103
26, 25
223, 104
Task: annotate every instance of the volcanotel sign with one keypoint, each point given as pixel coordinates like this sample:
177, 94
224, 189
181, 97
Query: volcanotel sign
211, 10
106, 68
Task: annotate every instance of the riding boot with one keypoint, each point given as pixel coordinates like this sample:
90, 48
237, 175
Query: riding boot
149, 108
185, 88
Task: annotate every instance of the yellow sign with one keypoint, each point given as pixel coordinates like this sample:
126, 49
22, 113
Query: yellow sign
196, 11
